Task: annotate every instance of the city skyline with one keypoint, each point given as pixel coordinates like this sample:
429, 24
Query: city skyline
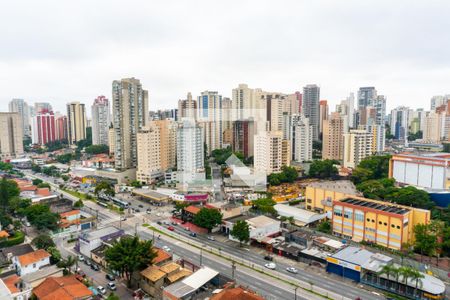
173, 58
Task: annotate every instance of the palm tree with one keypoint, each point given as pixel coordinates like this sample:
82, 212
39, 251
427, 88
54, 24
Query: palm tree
70, 262
417, 276
388, 270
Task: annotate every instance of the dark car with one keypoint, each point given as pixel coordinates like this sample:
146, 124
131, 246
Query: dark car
137, 210
268, 257
95, 267
87, 262
159, 223
193, 234
110, 277
141, 206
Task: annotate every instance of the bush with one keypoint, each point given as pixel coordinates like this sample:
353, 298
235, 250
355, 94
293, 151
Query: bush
16, 239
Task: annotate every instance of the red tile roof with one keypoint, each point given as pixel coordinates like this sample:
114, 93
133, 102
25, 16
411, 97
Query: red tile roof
43, 192
237, 293
11, 282
162, 256
69, 213
61, 288
32, 257
192, 209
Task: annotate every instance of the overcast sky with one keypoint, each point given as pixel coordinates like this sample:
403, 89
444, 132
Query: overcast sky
61, 51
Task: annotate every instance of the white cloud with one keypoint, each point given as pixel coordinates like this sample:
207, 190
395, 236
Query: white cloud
59, 51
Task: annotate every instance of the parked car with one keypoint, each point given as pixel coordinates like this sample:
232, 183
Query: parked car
110, 277
268, 257
159, 223
292, 270
211, 238
101, 290
166, 248
271, 266
80, 257
87, 262
137, 210
95, 267
112, 286
193, 234
171, 228
174, 223
141, 206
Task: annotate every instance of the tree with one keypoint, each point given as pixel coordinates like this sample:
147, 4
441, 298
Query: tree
104, 187
415, 136
208, 218
64, 158
136, 184
324, 227
8, 189
37, 181
388, 270
78, 204
44, 185
55, 255
18, 205
373, 167
425, 239
6, 167
36, 168
97, 149
241, 232
43, 241
113, 296
128, 255
288, 174
412, 196
5, 220
179, 205
323, 169
40, 216
377, 189
264, 205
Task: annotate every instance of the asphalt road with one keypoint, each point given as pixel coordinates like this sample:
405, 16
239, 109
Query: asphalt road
328, 283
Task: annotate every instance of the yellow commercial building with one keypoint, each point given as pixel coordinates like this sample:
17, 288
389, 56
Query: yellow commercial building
380, 222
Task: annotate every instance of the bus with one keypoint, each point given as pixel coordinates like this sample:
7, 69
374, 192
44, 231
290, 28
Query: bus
120, 203
102, 203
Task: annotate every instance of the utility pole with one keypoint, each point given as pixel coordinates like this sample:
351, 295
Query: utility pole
201, 256
135, 229
295, 293
233, 268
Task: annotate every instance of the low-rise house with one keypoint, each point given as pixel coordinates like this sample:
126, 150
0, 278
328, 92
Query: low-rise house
75, 220
262, 227
236, 293
189, 212
36, 278
31, 262
89, 241
6, 254
62, 288
13, 288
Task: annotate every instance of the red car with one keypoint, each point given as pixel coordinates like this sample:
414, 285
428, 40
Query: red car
171, 228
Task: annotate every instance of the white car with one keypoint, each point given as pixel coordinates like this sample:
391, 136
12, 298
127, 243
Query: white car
292, 270
101, 290
80, 257
112, 286
211, 238
271, 266
166, 248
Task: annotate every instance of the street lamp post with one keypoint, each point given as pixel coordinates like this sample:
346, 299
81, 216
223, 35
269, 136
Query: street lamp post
295, 293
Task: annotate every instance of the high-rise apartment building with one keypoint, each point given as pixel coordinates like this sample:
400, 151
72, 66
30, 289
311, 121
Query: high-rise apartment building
243, 137
333, 137
111, 140
76, 122
299, 132
310, 107
432, 127
247, 104
130, 114
100, 121
268, 152
366, 95
38, 106
399, 123
168, 142
190, 152
323, 114
11, 135
44, 128
357, 146
61, 127
21, 107
379, 104
149, 154
378, 137
294, 103
437, 101
210, 118
275, 106
187, 108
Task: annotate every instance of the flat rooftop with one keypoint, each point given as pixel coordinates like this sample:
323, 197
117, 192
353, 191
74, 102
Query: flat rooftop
382, 206
340, 186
